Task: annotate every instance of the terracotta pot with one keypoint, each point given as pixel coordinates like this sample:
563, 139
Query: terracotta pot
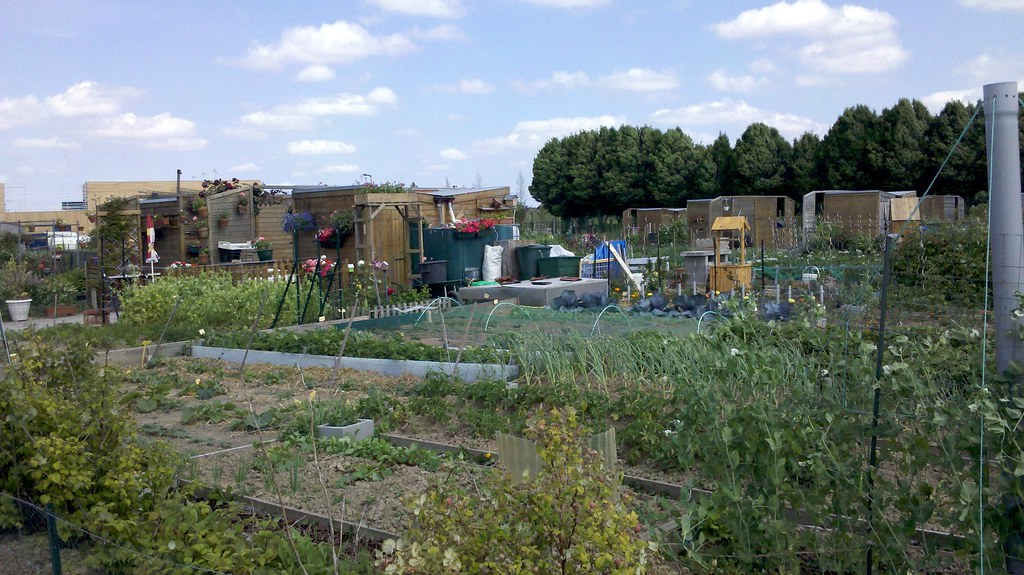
202, 212
204, 259
243, 209
203, 232
222, 223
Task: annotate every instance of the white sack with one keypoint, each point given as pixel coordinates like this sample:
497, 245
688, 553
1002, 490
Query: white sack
492, 263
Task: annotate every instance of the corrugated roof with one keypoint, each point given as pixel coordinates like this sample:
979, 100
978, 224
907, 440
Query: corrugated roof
450, 192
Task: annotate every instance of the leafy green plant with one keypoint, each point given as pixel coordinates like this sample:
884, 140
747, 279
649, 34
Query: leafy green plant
569, 519
390, 345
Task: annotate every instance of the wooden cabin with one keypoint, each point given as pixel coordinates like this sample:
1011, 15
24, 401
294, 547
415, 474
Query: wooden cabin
386, 222
857, 212
770, 219
646, 221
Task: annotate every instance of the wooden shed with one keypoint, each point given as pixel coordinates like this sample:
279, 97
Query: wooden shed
444, 205
856, 212
771, 219
645, 221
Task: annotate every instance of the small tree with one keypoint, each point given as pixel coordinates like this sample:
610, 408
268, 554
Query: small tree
570, 519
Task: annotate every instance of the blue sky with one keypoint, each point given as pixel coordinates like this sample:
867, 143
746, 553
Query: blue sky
463, 91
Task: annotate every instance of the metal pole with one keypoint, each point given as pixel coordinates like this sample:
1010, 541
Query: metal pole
1003, 152
51, 528
1003, 146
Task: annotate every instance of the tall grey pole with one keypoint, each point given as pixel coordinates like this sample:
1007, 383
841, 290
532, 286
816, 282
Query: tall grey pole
1007, 232
1003, 146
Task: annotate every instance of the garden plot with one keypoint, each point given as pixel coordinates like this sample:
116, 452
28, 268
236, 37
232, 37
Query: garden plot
201, 406
769, 419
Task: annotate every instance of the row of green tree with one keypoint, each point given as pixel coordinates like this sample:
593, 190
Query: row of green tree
612, 169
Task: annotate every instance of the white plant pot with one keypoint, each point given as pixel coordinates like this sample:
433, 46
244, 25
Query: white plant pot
18, 308
361, 429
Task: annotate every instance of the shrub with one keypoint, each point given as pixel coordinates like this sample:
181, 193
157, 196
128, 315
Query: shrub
65, 440
568, 519
207, 301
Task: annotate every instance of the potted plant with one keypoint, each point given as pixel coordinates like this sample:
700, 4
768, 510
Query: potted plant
19, 307
201, 229
243, 203
264, 249
298, 222
15, 285
199, 207
223, 220
204, 256
59, 291
195, 247
467, 228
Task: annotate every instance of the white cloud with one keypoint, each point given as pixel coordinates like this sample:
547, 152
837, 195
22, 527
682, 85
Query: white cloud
339, 169
564, 80
162, 132
475, 86
339, 42
315, 73
453, 154
20, 111
278, 121
532, 134
639, 80
466, 86
738, 113
937, 100
179, 144
302, 115
246, 168
994, 4
984, 69
568, 3
80, 100
721, 80
848, 39
89, 99
763, 66
244, 133
432, 8
46, 144
440, 33
709, 113
316, 147
160, 126
806, 81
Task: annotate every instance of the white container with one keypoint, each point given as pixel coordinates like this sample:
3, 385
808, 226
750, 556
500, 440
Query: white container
810, 277
361, 429
18, 308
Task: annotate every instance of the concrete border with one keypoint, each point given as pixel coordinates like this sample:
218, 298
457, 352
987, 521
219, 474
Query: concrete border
139, 356
468, 372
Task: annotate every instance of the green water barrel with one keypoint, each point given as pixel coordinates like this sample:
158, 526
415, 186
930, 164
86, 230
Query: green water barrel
560, 266
527, 257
